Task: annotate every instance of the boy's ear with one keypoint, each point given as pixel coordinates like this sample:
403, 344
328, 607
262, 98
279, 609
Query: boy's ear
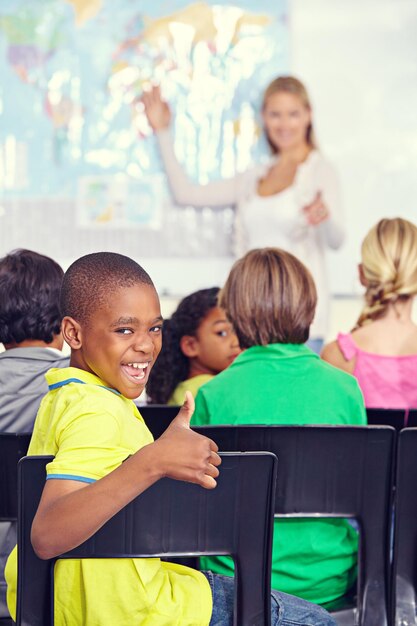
72, 333
362, 278
189, 346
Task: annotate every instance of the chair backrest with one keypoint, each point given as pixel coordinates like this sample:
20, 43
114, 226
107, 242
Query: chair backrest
12, 447
333, 471
236, 518
397, 418
405, 532
412, 418
158, 417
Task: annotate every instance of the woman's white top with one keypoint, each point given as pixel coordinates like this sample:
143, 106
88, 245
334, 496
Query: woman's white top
277, 220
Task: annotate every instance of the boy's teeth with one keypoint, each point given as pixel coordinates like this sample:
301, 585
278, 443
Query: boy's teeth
139, 366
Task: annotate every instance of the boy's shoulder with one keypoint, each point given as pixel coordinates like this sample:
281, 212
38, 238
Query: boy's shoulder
74, 380
340, 384
72, 390
336, 375
80, 408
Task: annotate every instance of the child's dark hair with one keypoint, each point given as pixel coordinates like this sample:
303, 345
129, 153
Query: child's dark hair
172, 366
29, 297
93, 279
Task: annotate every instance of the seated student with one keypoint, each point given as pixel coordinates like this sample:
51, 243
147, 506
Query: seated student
199, 342
270, 298
30, 330
105, 457
381, 351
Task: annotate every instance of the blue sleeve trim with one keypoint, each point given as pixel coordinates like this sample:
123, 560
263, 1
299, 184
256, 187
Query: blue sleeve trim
110, 389
62, 383
82, 479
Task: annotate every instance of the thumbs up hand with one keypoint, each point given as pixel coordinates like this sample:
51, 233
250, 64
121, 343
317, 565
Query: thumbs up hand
186, 412
186, 455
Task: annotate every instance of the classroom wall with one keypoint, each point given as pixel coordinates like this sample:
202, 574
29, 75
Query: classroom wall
358, 60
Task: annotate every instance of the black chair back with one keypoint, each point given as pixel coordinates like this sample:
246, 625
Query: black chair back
412, 418
158, 417
397, 418
236, 518
12, 447
405, 532
333, 471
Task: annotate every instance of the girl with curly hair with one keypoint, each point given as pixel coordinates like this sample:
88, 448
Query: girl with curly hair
198, 343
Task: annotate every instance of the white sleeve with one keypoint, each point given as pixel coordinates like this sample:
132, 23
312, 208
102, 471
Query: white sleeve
332, 230
217, 193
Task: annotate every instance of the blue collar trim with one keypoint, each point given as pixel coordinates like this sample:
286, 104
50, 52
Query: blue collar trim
62, 383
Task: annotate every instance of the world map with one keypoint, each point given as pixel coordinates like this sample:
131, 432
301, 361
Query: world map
72, 75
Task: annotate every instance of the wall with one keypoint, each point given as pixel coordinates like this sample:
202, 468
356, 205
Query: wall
358, 59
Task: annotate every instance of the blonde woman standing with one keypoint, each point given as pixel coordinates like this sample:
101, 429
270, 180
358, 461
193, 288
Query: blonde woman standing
381, 351
292, 202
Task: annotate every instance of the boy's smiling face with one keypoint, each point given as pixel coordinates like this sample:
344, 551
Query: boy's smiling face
121, 340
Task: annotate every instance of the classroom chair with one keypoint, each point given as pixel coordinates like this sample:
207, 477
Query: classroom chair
333, 471
404, 576
397, 418
158, 417
236, 518
412, 418
12, 447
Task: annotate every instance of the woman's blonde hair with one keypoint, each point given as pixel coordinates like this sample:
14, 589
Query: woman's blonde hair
292, 85
269, 297
389, 266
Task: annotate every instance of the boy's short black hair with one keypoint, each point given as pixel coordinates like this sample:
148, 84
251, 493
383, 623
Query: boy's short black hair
93, 279
29, 297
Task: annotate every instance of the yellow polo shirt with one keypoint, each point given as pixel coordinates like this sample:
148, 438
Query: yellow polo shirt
91, 429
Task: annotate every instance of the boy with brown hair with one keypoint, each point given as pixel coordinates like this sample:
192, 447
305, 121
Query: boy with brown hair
270, 298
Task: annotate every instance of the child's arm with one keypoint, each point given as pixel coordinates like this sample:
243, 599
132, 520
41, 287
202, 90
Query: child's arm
333, 355
71, 511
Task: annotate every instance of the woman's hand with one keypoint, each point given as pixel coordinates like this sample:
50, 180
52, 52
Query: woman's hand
316, 212
156, 110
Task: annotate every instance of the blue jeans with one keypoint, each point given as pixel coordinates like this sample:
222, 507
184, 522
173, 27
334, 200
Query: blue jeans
286, 610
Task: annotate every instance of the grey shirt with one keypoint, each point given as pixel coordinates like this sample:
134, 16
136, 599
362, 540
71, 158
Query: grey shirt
23, 385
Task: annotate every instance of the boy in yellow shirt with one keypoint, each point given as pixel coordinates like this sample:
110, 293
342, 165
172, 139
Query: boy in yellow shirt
105, 457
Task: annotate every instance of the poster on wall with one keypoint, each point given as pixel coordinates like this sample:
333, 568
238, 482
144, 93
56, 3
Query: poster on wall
73, 129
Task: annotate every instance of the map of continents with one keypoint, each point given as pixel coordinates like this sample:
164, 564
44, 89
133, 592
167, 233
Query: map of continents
72, 73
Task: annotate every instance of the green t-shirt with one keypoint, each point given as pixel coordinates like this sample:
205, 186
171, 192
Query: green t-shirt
289, 384
191, 384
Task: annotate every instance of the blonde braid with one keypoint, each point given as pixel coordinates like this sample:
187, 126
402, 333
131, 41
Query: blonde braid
389, 266
377, 300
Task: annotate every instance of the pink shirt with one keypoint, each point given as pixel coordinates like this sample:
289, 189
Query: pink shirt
387, 382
